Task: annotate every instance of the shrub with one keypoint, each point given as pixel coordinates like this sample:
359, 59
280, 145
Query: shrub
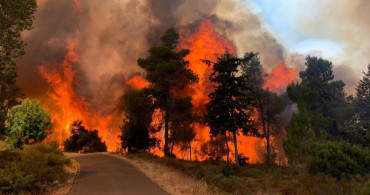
31, 170
338, 159
27, 123
227, 170
83, 140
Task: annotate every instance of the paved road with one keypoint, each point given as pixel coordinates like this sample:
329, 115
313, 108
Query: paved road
105, 174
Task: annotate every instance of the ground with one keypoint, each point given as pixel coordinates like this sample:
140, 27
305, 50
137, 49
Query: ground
102, 173
2, 145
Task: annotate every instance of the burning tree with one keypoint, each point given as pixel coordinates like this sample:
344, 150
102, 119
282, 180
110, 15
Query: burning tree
267, 104
229, 109
167, 70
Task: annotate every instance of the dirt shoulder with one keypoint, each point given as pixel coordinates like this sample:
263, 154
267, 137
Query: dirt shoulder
171, 180
2, 145
72, 171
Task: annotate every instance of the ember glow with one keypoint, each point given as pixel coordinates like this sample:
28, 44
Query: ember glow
65, 107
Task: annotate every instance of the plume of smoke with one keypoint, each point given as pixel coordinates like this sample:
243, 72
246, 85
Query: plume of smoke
113, 34
346, 22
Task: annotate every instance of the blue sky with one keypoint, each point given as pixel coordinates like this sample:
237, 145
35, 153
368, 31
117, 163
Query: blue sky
280, 17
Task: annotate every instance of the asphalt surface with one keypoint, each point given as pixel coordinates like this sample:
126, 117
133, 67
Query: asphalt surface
102, 173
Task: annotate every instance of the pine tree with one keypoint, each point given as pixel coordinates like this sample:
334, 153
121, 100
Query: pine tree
166, 68
15, 16
229, 110
362, 103
267, 104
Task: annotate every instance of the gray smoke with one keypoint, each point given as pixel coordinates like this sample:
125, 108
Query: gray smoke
113, 34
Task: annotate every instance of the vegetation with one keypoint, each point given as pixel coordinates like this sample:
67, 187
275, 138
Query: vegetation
136, 132
28, 123
324, 140
267, 104
260, 178
338, 159
15, 16
327, 140
83, 140
229, 110
166, 68
31, 170
359, 125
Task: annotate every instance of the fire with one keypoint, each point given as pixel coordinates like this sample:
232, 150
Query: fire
137, 82
280, 77
205, 43
208, 44
65, 107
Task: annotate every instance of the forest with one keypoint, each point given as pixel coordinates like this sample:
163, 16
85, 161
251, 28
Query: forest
326, 133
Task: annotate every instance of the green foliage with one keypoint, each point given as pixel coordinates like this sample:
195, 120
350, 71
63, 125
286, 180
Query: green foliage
31, 170
28, 123
359, 126
230, 108
321, 95
83, 140
362, 103
15, 16
338, 159
299, 135
166, 68
136, 132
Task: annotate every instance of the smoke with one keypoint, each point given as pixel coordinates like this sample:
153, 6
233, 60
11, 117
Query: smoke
345, 22
113, 34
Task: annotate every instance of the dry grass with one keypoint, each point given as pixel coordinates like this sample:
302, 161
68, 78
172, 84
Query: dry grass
171, 180
72, 170
249, 179
2, 146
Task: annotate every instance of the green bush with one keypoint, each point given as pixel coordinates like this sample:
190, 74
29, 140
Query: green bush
32, 169
338, 159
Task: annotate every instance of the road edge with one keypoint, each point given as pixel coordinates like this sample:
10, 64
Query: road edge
68, 185
172, 182
76, 175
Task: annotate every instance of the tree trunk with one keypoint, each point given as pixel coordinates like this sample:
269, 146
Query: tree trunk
268, 158
190, 151
166, 121
227, 148
236, 149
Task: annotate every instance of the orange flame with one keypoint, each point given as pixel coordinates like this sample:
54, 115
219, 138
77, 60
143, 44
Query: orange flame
208, 44
280, 77
65, 107
137, 82
205, 43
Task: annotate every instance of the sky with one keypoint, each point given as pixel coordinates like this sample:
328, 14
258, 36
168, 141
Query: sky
279, 16
335, 30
